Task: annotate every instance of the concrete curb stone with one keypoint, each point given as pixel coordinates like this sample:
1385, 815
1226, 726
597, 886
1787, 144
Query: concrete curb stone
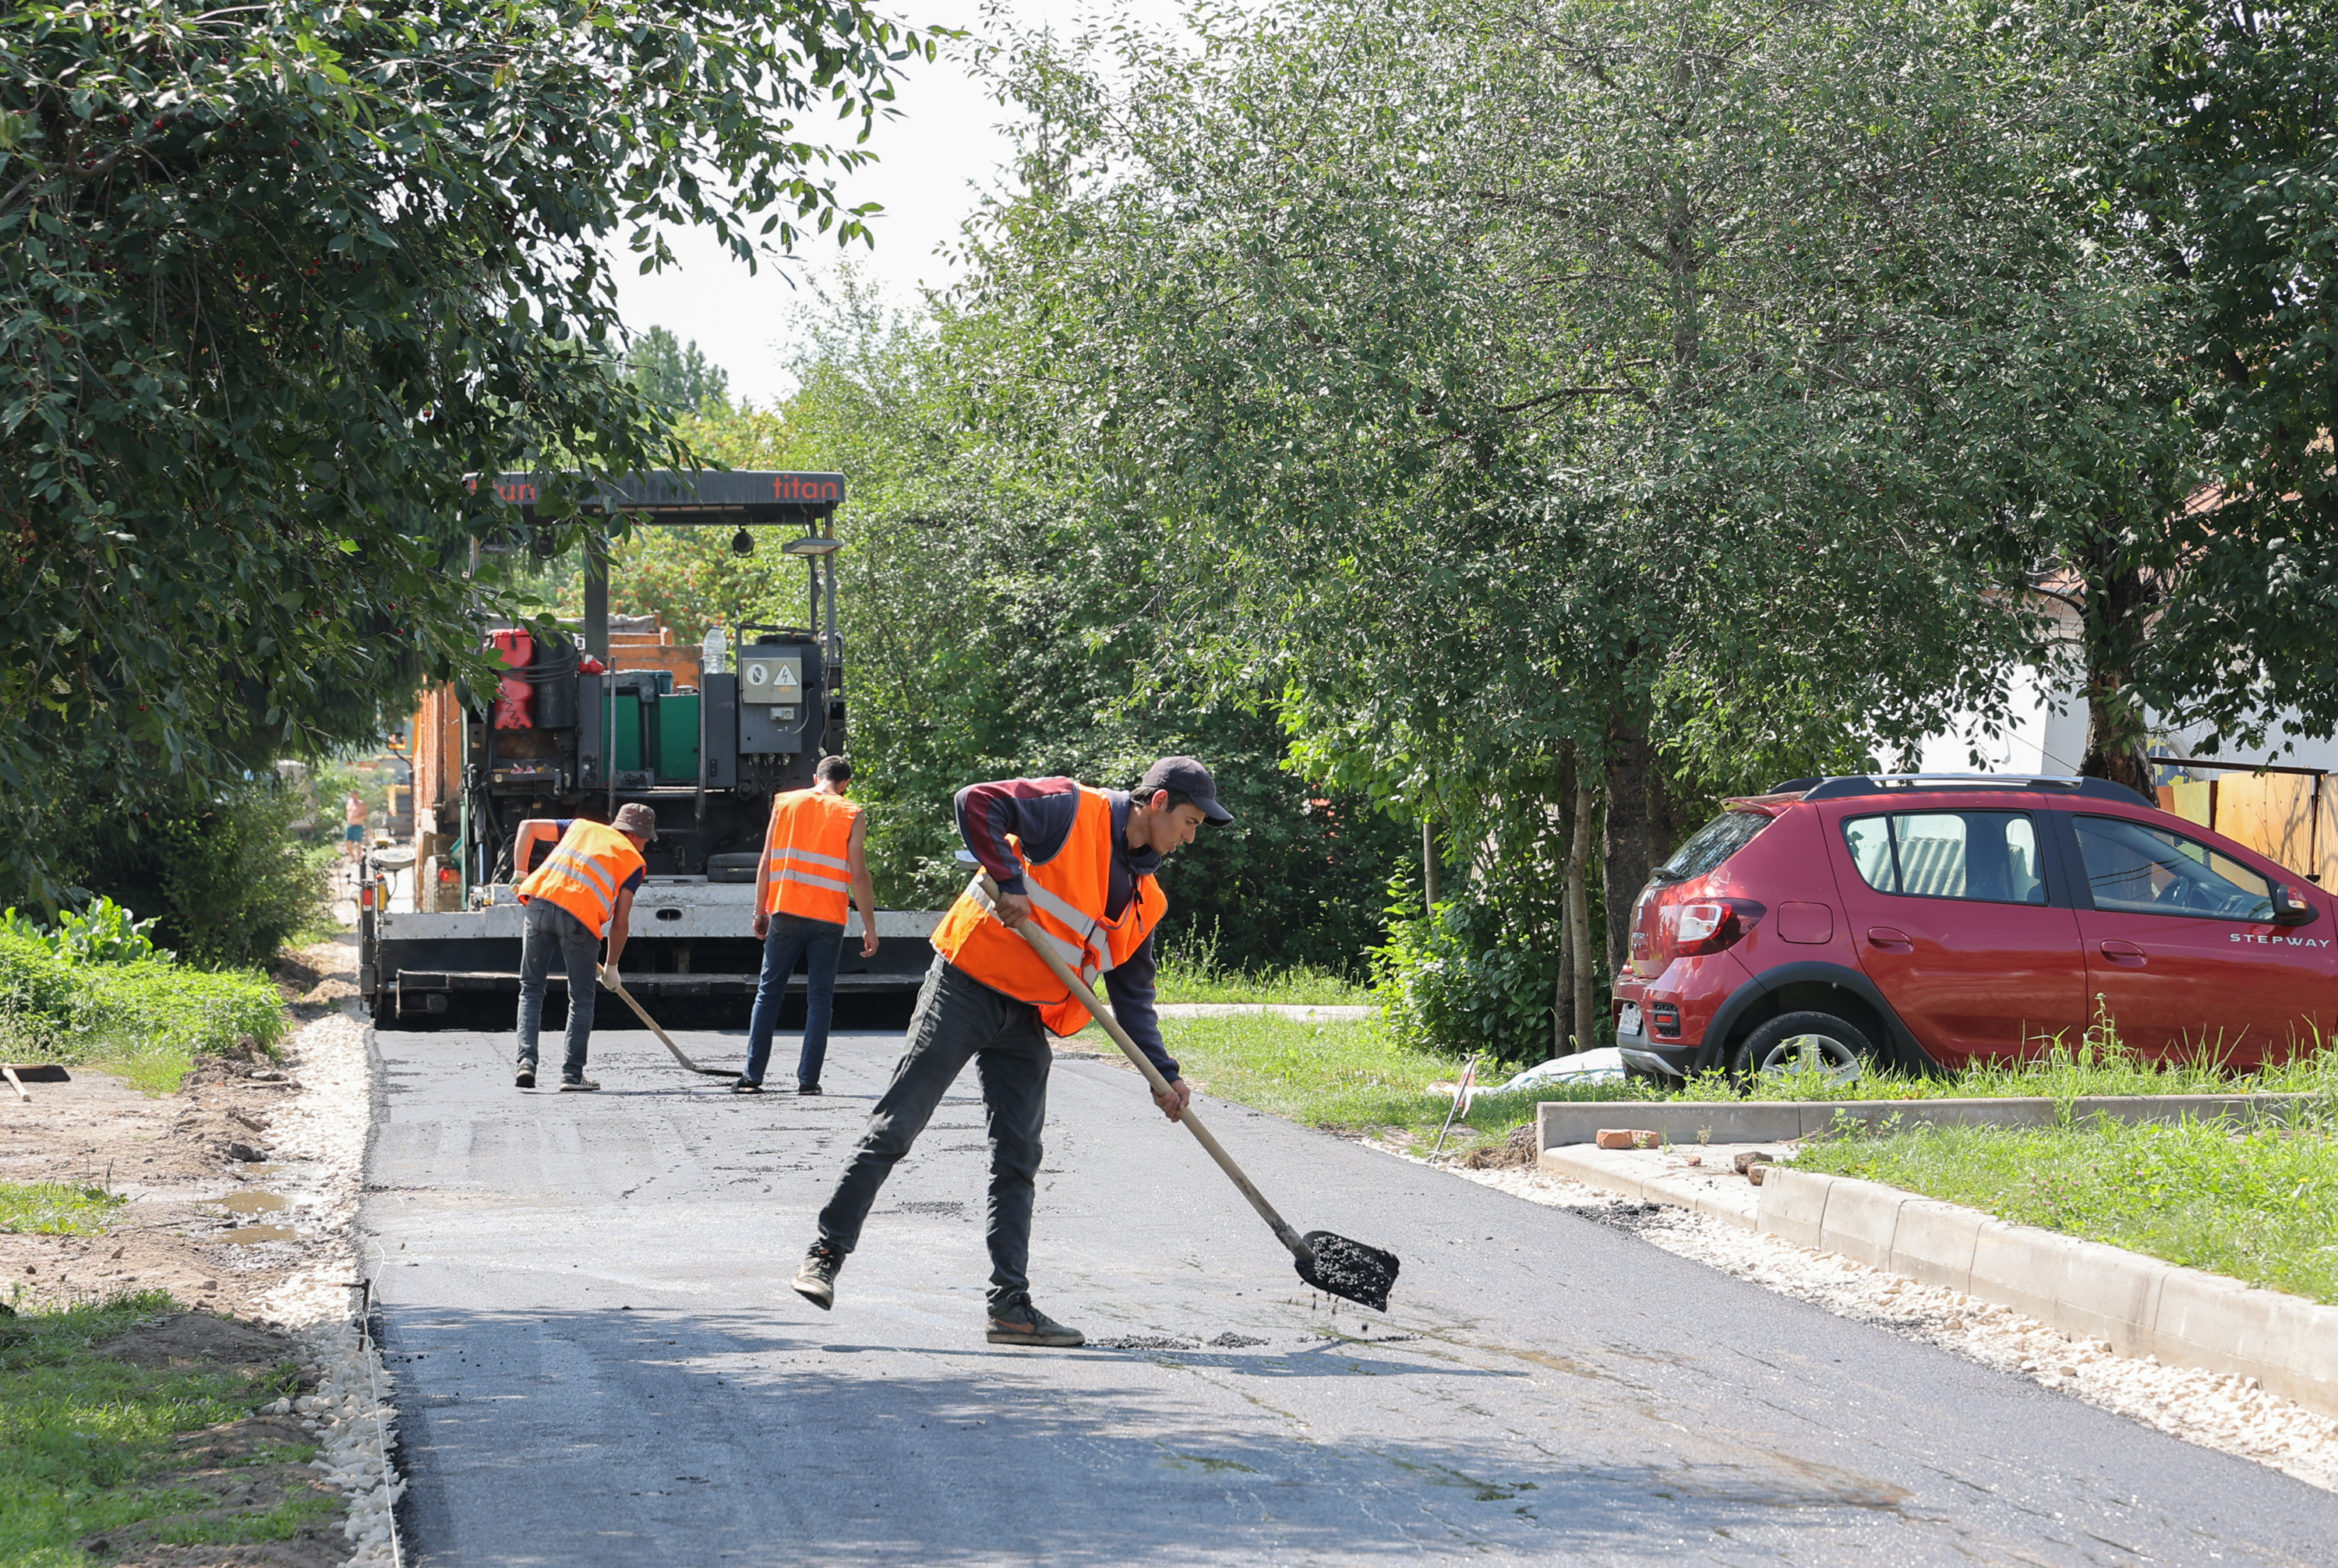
2088, 1290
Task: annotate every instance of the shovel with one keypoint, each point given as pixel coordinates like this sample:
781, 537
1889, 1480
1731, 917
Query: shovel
609, 978
1331, 1264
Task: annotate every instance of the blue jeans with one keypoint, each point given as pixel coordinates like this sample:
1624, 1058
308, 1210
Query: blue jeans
957, 1019
819, 942
554, 935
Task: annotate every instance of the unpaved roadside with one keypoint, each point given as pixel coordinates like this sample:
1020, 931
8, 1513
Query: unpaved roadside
217, 1231
266, 1242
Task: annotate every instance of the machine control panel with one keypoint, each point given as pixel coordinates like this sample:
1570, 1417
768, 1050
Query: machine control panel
773, 703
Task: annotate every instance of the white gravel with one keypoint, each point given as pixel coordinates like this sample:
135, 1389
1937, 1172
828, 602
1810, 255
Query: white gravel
322, 1136
2230, 1415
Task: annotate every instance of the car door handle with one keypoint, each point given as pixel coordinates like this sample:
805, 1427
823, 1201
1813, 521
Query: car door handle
2126, 954
1890, 939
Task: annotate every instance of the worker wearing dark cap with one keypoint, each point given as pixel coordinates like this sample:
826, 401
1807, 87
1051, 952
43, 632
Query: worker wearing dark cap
582, 892
1080, 863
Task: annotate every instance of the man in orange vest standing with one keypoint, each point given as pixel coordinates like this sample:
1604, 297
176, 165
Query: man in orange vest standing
584, 890
1081, 864
812, 858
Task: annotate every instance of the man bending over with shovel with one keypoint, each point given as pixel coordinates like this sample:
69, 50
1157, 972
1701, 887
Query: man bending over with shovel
583, 889
1079, 862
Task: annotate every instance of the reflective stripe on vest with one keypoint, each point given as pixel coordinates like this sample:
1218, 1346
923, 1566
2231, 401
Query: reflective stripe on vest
805, 856
585, 874
1063, 891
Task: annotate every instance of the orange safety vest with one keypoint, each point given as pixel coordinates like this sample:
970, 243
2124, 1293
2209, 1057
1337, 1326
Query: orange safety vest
1069, 895
583, 872
804, 856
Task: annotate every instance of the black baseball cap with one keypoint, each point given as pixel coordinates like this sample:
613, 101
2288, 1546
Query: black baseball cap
1191, 779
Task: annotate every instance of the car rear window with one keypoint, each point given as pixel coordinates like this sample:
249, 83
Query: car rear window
1715, 842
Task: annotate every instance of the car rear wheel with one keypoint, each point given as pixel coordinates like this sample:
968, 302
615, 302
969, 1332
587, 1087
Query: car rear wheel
1819, 1044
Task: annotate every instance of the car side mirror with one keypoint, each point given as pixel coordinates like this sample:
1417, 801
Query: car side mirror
2288, 909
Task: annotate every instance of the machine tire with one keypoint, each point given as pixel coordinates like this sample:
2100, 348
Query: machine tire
1802, 1042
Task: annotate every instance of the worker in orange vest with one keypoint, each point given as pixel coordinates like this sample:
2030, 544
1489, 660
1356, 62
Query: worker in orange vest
584, 890
1081, 864
812, 858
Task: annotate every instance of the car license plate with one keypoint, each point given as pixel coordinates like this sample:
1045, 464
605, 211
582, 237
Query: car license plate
1627, 1020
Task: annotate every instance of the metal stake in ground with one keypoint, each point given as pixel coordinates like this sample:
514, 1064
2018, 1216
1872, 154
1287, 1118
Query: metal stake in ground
1461, 1093
1333, 1264
609, 978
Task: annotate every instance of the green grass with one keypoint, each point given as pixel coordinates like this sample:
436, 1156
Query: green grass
1338, 1075
2258, 1204
55, 1209
146, 1021
1358, 1075
80, 1432
1194, 968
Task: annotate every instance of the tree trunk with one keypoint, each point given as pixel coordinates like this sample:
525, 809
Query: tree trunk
1428, 866
2118, 611
1668, 814
1625, 857
1578, 917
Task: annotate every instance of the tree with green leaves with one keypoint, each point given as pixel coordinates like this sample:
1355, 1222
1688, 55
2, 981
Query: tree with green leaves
1556, 385
677, 377
279, 281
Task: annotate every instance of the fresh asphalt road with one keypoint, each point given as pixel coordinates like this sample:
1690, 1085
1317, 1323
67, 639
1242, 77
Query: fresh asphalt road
585, 1303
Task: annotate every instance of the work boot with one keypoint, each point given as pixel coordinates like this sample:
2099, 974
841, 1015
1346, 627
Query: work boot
816, 1280
806, 1088
746, 1087
1018, 1322
526, 1078
578, 1085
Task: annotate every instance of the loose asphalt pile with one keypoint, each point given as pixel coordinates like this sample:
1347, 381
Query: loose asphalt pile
2230, 1415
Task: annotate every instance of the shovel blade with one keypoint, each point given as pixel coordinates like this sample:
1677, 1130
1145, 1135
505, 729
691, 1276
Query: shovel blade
1362, 1274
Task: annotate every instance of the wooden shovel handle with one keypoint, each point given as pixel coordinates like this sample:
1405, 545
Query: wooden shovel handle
1144, 1064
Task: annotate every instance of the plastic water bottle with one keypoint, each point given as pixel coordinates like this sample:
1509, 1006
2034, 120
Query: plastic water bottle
712, 654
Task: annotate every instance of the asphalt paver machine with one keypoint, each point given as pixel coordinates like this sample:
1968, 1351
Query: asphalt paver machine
587, 721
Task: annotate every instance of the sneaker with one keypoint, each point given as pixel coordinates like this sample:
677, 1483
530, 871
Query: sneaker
744, 1087
806, 1088
816, 1280
526, 1078
1020, 1323
578, 1085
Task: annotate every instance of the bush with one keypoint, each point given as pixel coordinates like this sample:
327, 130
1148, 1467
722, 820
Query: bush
226, 880
1464, 980
105, 933
147, 1019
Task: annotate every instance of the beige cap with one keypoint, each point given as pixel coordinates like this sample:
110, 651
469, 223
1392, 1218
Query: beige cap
633, 817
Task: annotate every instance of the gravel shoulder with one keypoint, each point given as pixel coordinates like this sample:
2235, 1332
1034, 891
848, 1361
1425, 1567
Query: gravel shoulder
2229, 1415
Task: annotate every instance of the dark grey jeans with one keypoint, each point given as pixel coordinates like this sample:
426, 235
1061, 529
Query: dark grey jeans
551, 934
958, 1017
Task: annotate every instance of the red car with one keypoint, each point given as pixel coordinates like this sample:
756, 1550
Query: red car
1926, 922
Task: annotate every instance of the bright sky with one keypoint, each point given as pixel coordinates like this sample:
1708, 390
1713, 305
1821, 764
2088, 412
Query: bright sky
947, 145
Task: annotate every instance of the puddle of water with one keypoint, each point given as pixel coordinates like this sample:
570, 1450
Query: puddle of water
251, 1203
245, 1234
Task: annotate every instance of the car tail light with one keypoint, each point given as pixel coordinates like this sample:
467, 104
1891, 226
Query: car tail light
1701, 926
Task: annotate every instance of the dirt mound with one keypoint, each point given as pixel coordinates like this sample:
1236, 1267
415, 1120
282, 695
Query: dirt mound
1518, 1149
192, 1338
